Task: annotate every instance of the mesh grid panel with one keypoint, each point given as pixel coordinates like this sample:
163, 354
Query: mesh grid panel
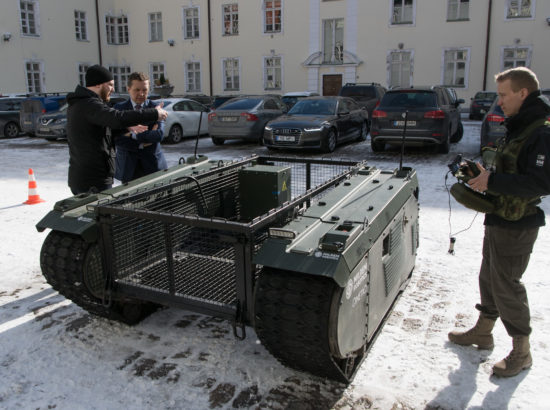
153, 249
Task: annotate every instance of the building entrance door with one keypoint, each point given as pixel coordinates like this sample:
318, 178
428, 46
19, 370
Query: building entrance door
332, 84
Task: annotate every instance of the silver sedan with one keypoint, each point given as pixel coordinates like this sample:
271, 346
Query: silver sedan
184, 116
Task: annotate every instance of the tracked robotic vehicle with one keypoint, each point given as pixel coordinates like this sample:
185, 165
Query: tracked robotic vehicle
311, 253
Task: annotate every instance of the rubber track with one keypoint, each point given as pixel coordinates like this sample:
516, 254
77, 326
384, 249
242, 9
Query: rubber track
292, 319
62, 261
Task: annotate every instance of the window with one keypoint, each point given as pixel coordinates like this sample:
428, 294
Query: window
155, 71
29, 17
455, 63
155, 26
272, 16
516, 57
231, 80
458, 10
33, 70
333, 41
402, 12
82, 68
120, 76
191, 22
193, 76
230, 19
519, 9
272, 73
117, 29
400, 69
80, 26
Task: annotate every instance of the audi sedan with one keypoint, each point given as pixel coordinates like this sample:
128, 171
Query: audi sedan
318, 122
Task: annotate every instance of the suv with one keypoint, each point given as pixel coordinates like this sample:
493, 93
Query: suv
433, 118
36, 105
365, 94
9, 116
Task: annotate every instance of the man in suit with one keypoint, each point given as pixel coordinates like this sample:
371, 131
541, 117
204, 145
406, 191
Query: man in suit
138, 152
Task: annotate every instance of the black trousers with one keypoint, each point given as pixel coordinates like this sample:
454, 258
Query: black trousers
506, 254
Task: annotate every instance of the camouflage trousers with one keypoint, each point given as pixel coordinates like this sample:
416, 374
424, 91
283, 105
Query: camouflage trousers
506, 254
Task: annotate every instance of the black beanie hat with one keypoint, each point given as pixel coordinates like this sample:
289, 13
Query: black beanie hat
97, 74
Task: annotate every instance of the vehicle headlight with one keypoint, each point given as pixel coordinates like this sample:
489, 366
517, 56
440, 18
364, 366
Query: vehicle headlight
313, 129
268, 128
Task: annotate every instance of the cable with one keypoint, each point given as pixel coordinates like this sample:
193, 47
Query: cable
452, 236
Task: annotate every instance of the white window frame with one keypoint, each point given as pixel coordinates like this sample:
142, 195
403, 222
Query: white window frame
265, 10
81, 25
155, 26
81, 69
503, 49
190, 80
25, 22
196, 23
34, 79
519, 3
156, 68
460, 5
120, 76
333, 58
466, 67
232, 21
411, 64
273, 68
393, 22
118, 32
238, 74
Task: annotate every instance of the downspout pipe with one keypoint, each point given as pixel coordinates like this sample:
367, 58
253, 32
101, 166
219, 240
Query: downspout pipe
487, 40
209, 50
98, 32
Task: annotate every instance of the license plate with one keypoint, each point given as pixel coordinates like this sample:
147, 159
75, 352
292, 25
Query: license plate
402, 123
229, 119
285, 138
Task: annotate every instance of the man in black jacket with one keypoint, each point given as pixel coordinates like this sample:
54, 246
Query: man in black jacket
521, 178
89, 124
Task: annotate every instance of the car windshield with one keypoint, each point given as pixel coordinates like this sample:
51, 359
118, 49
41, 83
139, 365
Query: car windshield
485, 96
240, 104
356, 91
314, 107
408, 99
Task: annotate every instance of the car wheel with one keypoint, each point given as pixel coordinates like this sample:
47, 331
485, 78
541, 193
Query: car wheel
377, 146
175, 134
11, 130
363, 132
328, 144
217, 141
445, 146
459, 133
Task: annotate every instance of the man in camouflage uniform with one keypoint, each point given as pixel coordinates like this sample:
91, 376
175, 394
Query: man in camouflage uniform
521, 177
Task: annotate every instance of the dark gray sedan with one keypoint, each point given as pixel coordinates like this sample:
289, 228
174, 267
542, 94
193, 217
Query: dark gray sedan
318, 122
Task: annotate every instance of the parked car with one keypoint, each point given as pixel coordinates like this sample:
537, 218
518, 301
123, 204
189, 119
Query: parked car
480, 104
35, 106
292, 98
244, 117
432, 118
365, 94
183, 119
9, 116
492, 128
53, 126
318, 122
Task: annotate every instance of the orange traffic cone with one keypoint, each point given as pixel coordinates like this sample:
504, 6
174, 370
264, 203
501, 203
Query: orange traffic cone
34, 198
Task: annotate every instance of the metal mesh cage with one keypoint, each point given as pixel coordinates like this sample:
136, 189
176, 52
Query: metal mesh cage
184, 242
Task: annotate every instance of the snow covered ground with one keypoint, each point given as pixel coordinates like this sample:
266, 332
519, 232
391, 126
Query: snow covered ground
55, 355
